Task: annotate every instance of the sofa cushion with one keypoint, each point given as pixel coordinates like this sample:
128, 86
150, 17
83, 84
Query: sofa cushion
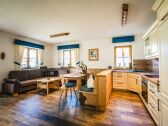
28, 83
33, 74
86, 89
19, 75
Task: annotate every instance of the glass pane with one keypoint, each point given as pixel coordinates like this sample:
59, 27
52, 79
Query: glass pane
66, 58
126, 52
33, 62
119, 62
126, 62
123, 56
119, 52
73, 58
25, 56
32, 53
32, 57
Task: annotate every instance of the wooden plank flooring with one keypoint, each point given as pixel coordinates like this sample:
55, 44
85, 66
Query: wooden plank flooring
31, 109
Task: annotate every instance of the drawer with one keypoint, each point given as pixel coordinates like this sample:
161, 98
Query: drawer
120, 85
119, 74
133, 75
155, 114
153, 97
120, 79
153, 103
152, 87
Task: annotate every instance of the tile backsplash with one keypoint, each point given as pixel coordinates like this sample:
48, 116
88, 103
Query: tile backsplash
149, 65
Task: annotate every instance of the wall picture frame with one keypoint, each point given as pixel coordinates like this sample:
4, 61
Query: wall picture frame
93, 54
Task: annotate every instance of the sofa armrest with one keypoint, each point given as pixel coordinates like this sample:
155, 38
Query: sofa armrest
11, 86
12, 81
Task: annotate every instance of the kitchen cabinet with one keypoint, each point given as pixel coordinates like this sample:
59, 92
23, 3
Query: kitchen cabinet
162, 10
151, 42
163, 40
119, 80
133, 82
153, 102
163, 57
164, 113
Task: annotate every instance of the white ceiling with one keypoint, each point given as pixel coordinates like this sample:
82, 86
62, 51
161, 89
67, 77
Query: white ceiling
84, 19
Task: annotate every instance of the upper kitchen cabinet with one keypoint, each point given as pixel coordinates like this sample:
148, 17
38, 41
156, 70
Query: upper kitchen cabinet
151, 41
163, 41
161, 7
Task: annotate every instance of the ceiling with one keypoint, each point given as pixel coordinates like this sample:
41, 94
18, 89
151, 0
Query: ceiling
84, 19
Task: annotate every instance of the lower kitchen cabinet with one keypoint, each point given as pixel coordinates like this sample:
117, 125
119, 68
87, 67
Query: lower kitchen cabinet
164, 113
119, 80
133, 82
153, 102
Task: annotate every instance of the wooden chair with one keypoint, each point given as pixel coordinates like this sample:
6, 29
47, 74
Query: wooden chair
67, 85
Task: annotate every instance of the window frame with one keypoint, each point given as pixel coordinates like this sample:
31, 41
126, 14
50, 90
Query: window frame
28, 56
125, 46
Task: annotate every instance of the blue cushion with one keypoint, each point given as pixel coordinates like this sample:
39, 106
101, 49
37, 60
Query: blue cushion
85, 88
69, 84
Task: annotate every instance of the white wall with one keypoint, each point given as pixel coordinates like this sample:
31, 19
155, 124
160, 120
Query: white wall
106, 51
7, 46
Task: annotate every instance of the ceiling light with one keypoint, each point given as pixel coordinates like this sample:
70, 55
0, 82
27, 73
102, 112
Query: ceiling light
60, 34
124, 14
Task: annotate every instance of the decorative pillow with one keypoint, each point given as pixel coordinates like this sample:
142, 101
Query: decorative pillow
90, 82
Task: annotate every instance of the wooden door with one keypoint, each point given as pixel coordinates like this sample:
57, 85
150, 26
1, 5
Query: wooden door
163, 44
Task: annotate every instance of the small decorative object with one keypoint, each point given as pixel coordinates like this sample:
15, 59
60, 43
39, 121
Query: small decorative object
82, 66
2, 56
19, 66
109, 67
93, 54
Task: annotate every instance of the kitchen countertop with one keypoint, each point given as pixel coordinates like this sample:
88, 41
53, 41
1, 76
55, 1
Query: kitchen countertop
153, 80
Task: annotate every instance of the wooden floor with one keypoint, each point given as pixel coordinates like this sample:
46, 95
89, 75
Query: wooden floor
30, 109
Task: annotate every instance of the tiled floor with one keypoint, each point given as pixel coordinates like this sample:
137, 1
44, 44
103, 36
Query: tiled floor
31, 109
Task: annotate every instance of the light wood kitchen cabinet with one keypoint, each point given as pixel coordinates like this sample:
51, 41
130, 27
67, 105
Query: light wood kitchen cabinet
119, 80
133, 82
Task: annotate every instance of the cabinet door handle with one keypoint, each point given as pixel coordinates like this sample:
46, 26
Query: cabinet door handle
151, 105
164, 17
158, 105
151, 91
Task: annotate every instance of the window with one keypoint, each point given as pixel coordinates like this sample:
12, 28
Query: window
123, 56
69, 58
30, 58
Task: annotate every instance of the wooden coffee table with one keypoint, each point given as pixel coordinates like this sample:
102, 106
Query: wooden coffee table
46, 83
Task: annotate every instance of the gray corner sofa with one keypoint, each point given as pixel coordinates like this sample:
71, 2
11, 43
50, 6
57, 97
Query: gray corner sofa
25, 80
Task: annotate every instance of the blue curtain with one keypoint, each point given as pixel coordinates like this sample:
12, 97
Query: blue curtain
68, 46
28, 44
123, 39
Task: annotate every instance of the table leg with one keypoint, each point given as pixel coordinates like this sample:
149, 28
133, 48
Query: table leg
78, 84
47, 89
37, 87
